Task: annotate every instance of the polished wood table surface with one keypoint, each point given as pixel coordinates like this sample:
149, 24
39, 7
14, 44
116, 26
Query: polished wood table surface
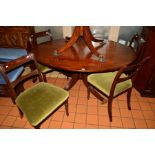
78, 61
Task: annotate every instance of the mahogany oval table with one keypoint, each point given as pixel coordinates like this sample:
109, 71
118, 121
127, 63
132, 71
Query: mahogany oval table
78, 61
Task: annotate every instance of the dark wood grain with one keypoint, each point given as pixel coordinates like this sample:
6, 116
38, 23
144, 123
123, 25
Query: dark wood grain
78, 58
78, 61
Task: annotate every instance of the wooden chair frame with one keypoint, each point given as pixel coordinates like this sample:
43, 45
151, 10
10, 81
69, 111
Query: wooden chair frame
16, 87
133, 70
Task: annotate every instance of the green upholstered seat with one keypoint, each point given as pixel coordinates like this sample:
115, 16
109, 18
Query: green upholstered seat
103, 82
40, 101
43, 68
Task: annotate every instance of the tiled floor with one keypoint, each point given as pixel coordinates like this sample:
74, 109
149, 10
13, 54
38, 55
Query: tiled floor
86, 114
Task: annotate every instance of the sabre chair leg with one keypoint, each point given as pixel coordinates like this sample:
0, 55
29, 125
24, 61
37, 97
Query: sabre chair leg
44, 77
20, 113
129, 98
110, 109
66, 108
37, 126
88, 93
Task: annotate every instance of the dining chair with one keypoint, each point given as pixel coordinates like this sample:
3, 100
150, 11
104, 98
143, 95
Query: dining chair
38, 102
46, 37
113, 84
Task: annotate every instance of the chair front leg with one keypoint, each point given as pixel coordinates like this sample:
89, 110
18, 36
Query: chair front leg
66, 108
128, 98
20, 113
37, 126
88, 92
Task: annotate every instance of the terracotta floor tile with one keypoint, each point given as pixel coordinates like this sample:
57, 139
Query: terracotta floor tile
82, 101
150, 124
14, 112
92, 102
116, 112
152, 106
142, 99
103, 120
72, 100
80, 118
9, 121
61, 109
82, 94
72, 108
92, 119
74, 93
151, 100
126, 113
122, 104
5, 101
58, 116
149, 115
4, 110
55, 125
19, 123
67, 125
137, 114
115, 104
122, 97
145, 106
140, 124
79, 126
70, 118
92, 110
45, 124
75, 87
116, 122
103, 111
83, 88
28, 126
2, 117
134, 98
104, 127
81, 109
135, 105
128, 123
88, 126
5, 127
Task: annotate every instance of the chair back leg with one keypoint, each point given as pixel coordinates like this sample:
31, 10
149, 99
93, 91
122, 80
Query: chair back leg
129, 98
44, 77
110, 108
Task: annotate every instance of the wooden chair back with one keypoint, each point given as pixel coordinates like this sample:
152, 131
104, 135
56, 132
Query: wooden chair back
12, 89
37, 35
132, 70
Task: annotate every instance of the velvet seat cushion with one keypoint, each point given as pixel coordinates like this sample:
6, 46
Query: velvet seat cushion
40, 101
44, 68
8, 54
103, 81
13, 75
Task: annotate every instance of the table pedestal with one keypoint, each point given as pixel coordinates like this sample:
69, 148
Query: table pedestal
85, 33
81, 76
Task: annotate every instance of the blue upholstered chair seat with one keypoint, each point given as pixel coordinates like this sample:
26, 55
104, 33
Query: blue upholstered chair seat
8, 54
13, 75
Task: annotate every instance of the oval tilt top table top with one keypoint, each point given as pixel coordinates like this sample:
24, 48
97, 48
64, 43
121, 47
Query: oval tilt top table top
78, 58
